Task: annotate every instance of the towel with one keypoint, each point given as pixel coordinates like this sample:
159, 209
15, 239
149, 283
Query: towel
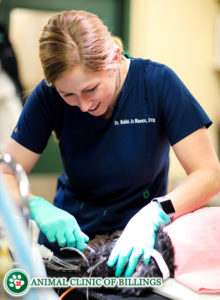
196, 240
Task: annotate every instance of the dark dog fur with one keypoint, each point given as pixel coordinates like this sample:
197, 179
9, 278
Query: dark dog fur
103, 245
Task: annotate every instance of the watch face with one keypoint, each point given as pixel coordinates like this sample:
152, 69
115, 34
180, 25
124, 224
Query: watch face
167, 206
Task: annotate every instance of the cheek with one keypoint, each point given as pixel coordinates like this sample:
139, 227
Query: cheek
107, 93
70, 101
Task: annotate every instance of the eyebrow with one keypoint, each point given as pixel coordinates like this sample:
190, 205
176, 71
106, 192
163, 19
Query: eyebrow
65, 92
87, 88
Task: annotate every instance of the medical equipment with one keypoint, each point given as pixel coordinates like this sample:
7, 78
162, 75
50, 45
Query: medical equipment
55, 263
94, 265
16, 224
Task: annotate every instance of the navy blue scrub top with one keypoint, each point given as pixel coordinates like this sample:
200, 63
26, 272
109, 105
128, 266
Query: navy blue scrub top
113, 167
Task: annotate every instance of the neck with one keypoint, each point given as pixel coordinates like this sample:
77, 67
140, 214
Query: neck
120, 79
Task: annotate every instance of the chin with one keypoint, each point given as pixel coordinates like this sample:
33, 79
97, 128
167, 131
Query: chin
99, 113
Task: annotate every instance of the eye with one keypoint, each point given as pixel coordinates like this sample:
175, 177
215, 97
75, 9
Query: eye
91, 90
68, 95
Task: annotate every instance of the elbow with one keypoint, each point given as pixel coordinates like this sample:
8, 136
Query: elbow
214, 179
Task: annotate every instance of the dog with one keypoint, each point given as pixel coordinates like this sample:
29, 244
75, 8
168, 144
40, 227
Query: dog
97, 252
99, 249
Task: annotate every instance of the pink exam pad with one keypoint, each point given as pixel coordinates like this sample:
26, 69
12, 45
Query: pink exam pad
196, 240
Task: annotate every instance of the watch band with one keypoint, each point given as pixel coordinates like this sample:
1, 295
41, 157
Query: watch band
167, 206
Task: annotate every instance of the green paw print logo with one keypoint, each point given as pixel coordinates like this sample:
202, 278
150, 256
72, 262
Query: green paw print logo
17, 282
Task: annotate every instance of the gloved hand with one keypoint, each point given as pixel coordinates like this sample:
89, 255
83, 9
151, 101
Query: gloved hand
137, 238
57, 224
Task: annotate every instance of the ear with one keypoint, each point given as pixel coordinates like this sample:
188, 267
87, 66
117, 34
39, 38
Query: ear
117, 55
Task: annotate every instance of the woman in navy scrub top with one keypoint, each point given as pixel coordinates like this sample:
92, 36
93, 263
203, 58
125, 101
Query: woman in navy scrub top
115, 119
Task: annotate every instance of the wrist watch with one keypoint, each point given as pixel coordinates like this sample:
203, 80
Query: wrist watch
167, 206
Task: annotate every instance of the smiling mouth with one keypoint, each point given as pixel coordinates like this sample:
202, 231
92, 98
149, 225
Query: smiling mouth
94, 107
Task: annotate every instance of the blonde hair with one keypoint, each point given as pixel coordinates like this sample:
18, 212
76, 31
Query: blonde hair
72, 38
118, 42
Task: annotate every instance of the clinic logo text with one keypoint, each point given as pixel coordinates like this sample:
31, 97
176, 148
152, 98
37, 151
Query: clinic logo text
17, 282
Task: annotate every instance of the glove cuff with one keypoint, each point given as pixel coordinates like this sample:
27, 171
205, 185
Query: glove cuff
35, 200
155, 212
161, 218
166, 205
34, 204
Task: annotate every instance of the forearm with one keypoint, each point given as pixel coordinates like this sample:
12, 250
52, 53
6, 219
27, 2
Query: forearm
18, 154
195, 190
12, 187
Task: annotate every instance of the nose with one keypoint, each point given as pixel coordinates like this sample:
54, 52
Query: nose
84, 103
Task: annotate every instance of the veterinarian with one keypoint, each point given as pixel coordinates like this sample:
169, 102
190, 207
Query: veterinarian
115, 118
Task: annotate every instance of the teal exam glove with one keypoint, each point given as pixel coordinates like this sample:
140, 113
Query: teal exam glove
57, 224
137, 238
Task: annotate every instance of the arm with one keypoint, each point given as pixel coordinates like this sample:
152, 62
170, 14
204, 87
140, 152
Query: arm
199, 160
58, 225
20, 155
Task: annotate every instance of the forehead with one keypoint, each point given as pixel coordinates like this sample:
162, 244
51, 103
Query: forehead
78, 78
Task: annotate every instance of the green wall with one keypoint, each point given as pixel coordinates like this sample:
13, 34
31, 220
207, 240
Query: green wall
114, 13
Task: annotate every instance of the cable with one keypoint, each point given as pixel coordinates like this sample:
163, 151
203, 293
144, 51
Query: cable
54, 262
78, 251
67, 292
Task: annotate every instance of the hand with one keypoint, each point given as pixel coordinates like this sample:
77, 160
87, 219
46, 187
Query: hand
138, 238
57, 224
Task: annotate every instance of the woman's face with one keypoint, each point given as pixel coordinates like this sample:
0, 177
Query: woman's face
92, 92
